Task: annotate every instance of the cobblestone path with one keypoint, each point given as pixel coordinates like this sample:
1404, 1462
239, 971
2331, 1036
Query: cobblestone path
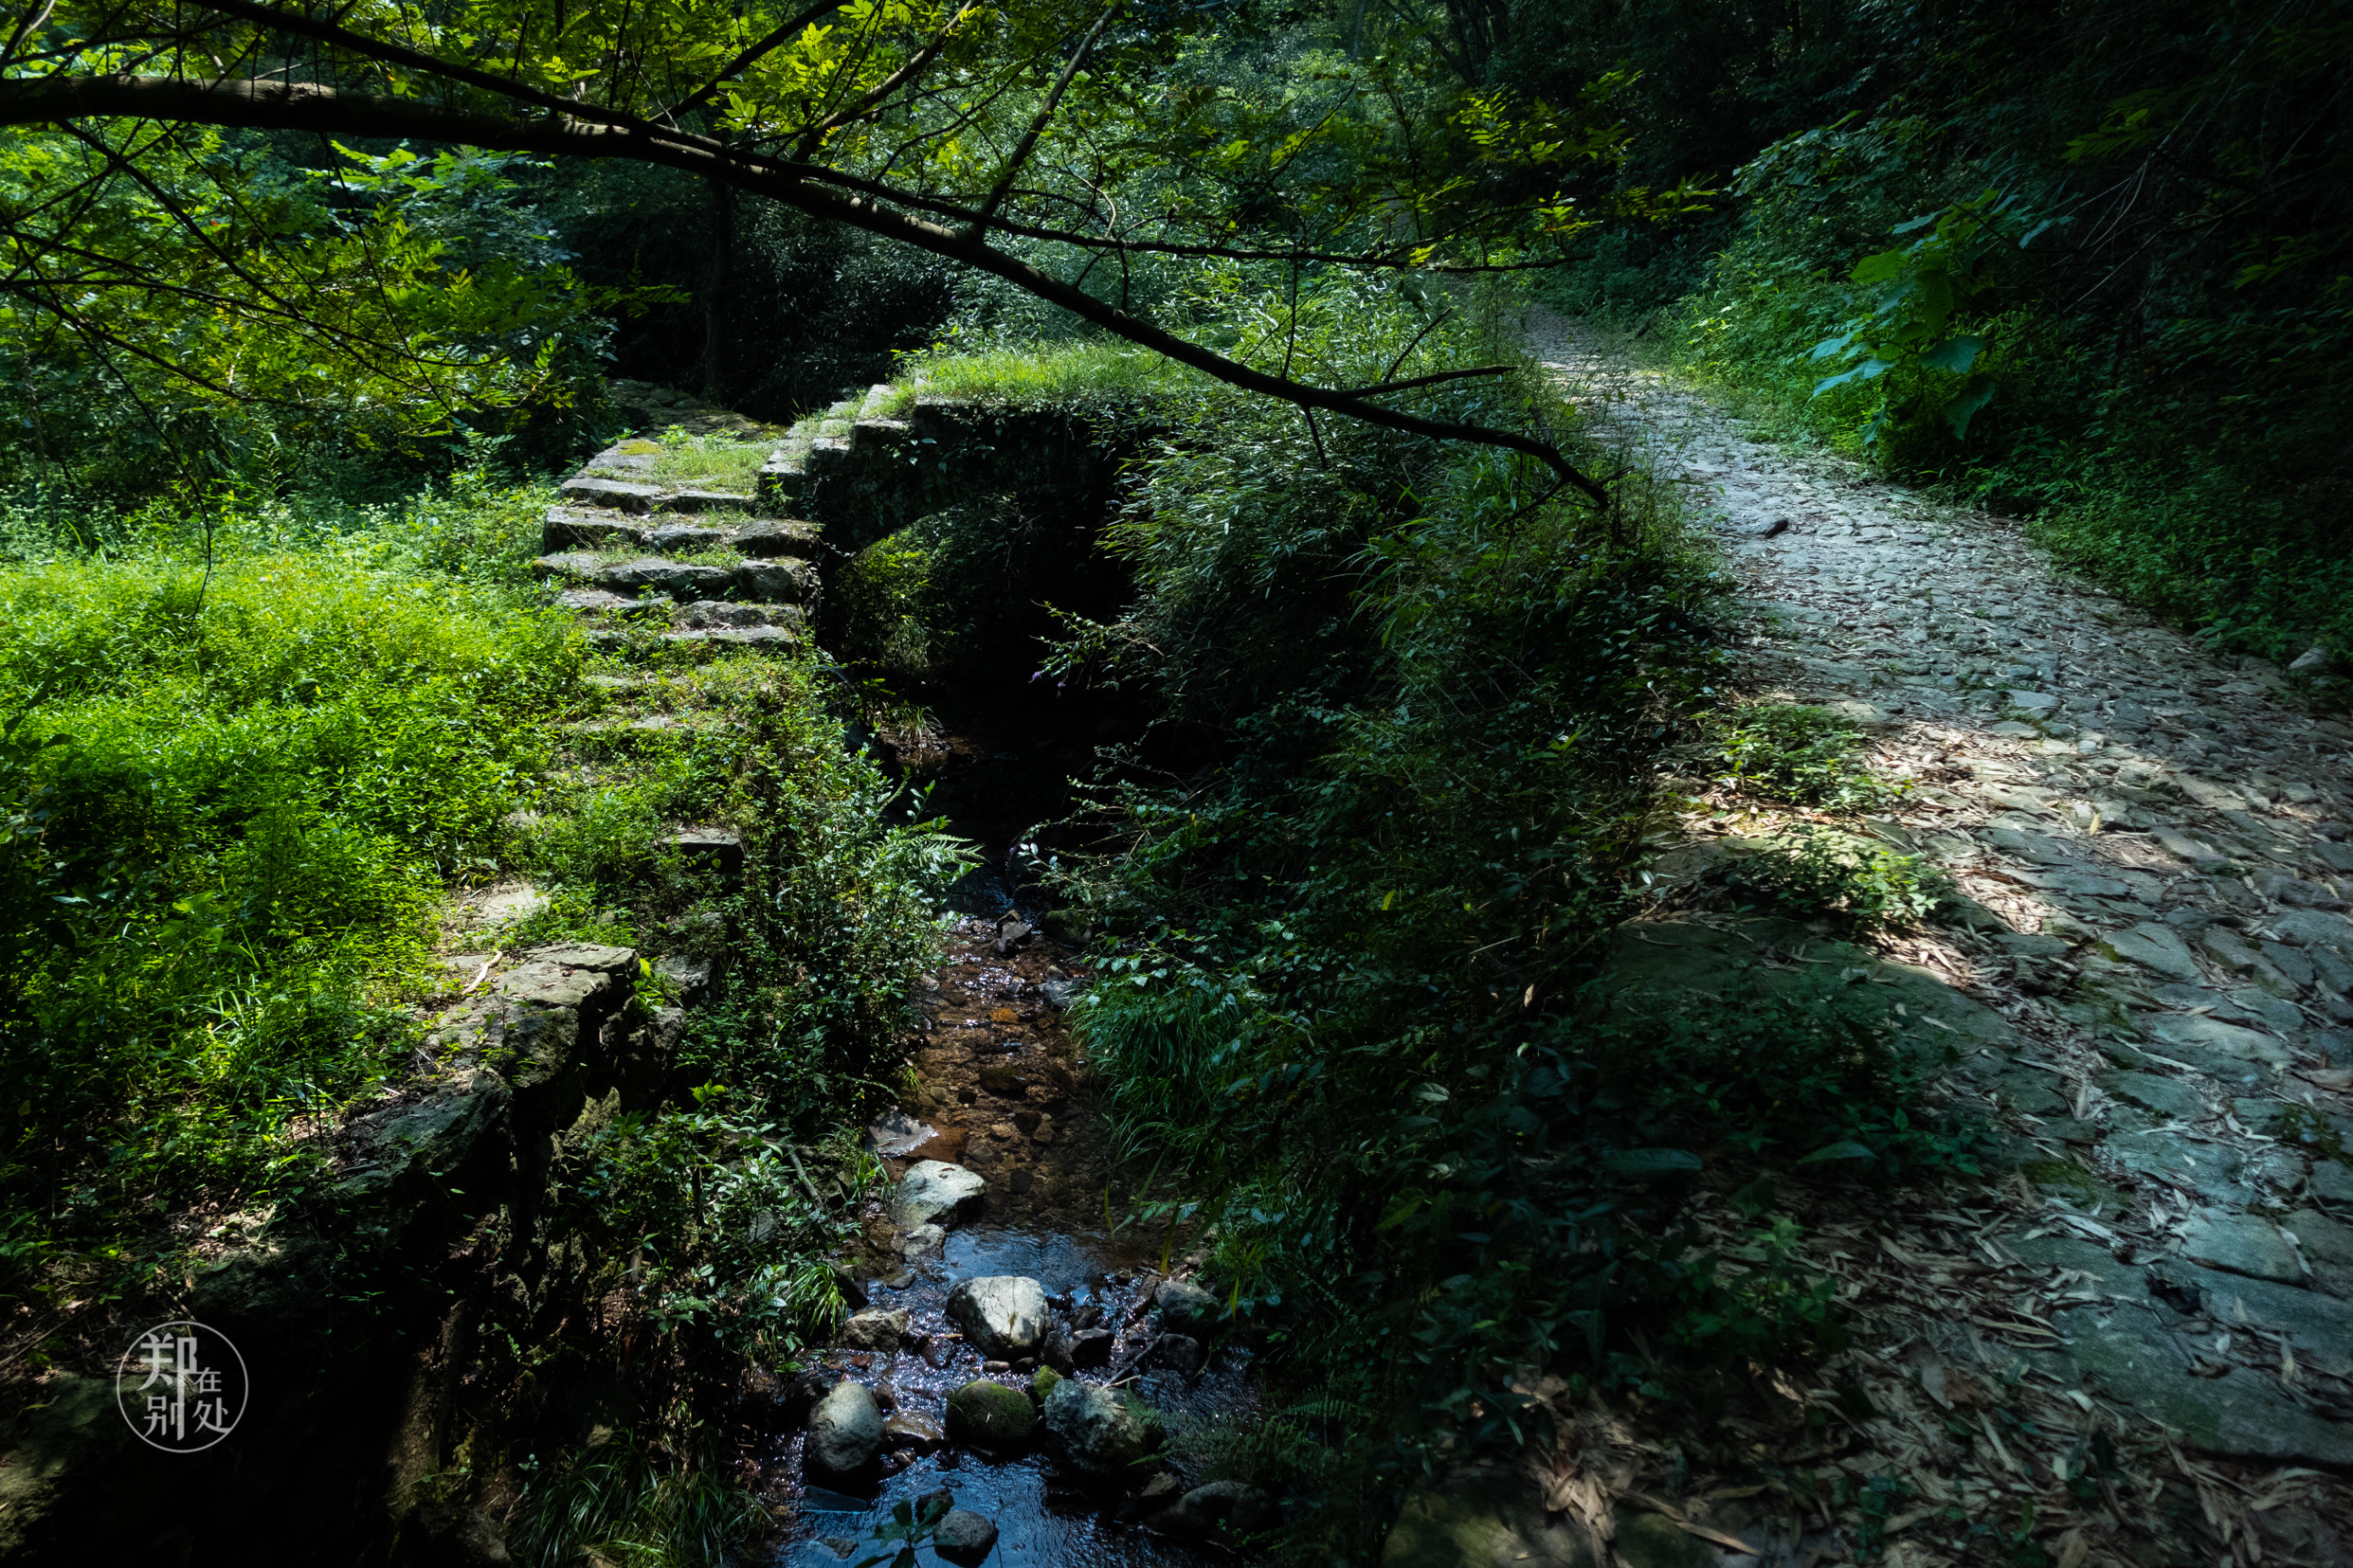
2154, 845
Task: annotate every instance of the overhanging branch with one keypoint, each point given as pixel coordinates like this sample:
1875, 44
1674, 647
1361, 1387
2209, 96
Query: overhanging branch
301, 106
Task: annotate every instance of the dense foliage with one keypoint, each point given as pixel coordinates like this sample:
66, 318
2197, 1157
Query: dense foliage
2085, 263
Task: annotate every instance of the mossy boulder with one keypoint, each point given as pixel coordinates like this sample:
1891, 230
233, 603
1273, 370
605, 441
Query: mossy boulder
990, 1415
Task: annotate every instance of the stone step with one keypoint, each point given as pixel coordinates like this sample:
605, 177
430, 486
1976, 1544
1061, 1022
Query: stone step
782, 579
590, 529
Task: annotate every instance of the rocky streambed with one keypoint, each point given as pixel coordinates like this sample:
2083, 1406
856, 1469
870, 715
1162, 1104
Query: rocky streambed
1020, 1364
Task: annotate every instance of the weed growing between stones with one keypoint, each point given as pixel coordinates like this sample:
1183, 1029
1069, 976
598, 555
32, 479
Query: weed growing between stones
1791, 751
1808, 870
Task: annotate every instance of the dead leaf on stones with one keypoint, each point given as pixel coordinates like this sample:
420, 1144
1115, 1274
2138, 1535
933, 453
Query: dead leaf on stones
1929, 1367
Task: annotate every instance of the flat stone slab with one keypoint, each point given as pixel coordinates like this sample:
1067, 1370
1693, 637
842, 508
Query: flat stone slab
570, 563
569, 528
673, 537
2128, 1351
621, 494
2181, 1028
708, 501
2242, 1244
777, 536
2209, 1170
2169, 1097
2156, 947
673, 578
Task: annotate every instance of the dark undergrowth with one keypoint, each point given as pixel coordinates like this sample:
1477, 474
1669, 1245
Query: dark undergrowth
1346, 1016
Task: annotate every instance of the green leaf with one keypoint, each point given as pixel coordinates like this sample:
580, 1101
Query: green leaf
1870, 370
1975, 395
1849, 1150
1879, 268
1644, 1164
1955, 354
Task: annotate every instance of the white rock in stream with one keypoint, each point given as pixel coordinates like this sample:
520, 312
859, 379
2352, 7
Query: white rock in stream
845, 1429
1101, 1430
1005, 1315
935, 1193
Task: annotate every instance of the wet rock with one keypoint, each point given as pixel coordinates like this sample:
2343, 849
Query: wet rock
1179, 1353
1154, 1496
990, 1415
845, 1429
2241, 1244
935, 1193
914, 1431
1070, 1349
875, 1329
1005, 1080
1220, 1508
1185, 1308
1003, 1315
1101, 1431
963, 1536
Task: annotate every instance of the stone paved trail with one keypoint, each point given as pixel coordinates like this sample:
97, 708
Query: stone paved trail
2157, 844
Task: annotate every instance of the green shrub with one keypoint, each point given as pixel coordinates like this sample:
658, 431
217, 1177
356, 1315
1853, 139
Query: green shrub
1806, 870
230, 808
1790, 752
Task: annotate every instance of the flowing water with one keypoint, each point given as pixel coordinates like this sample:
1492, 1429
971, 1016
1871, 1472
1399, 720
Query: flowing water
1005, 1092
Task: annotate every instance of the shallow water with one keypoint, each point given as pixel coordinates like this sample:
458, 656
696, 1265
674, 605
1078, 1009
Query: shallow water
1043, 1514
1044, 1218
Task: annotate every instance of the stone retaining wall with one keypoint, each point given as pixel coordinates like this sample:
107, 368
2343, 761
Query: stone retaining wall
354, 1307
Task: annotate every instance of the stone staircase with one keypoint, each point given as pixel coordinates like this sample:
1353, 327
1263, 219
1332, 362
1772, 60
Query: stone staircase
642, 559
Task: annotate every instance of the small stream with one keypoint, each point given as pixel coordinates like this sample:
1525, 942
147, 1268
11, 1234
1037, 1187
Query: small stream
1006, 1093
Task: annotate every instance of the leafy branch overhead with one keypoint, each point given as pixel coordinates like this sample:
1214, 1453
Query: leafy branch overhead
1916, 290
1050, 144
